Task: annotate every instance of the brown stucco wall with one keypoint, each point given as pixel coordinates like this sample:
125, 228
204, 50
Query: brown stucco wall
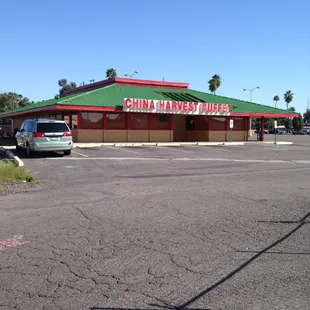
197, 136
225, 136
115, 135
217, 135
85, 135
138, 135
161, 136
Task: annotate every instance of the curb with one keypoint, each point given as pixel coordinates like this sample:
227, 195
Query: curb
10, 156
283, 143
233, 143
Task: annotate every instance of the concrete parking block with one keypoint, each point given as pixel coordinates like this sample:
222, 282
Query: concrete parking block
210, 143
233, 143
168, 144
127, 144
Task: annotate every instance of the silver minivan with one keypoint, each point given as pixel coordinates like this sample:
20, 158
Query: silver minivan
44, 135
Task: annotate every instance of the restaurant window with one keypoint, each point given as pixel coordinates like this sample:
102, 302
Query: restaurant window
138, 121
116, 120
190, 123
74, 121
239, 123
91, 120
67, 120
218, 123
56, 116
161, 121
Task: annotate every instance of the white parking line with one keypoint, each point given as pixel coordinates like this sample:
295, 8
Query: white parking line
83, 155
120, 148
187, 159
171, 148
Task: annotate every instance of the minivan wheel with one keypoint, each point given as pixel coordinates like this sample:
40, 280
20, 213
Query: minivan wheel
67, 153
28, 150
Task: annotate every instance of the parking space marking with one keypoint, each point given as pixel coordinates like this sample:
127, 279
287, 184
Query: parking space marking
171, 148
83, 155
122, 149
275, 161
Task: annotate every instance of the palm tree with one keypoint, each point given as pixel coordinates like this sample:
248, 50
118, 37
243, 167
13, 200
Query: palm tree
288, 97
212, 86
214, 83
111, 73
65, 86
276, 99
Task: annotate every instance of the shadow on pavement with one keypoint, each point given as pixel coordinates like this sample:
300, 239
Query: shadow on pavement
157, 307
22, 154
207, 290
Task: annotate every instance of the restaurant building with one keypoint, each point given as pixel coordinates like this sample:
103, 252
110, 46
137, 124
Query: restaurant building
133, 110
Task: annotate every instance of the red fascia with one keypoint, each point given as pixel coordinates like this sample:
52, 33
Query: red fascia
151, 83
48, 108
127, 82
267, 115
88, 109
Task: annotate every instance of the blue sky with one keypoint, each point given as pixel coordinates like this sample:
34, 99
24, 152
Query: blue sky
262, 43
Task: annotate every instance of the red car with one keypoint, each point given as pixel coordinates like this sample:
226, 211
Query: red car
298, 132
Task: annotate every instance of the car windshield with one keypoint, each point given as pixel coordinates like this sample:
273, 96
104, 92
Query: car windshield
52, 127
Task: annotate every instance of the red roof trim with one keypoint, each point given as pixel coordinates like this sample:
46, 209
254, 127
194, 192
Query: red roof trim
259, 114
151, 83
48, 108
127, 82
87, 108
113, 109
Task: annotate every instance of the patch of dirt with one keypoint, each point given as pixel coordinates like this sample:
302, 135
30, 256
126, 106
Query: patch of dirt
18, 188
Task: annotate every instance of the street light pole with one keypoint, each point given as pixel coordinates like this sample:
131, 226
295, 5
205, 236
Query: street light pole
251, 90
131, 75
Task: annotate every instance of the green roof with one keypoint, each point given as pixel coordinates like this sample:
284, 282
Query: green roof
113, 96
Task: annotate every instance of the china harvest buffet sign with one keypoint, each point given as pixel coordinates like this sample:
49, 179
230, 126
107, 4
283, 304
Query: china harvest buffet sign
175, 107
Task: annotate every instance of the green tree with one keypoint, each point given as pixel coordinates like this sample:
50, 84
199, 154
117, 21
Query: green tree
276, 99
65, 86
298, 122
11, 100
214, 83
111, 73
288, 98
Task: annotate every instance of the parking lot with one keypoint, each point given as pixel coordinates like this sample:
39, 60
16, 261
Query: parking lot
191, 227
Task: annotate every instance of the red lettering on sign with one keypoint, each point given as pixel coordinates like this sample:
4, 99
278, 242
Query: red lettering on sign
174, 105
135, 104
128, 103
228, 108
210, 108
224, 108
152, 105
203, 107
185, 106
145, 104
161, 105
168, 106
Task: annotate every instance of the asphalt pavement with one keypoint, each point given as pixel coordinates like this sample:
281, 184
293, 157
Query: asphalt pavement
190, 227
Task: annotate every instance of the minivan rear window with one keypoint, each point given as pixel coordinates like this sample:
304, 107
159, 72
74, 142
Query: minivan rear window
52, 127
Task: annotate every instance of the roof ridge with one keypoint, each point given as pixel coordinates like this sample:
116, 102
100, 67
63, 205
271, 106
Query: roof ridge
84, 93
248, 102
